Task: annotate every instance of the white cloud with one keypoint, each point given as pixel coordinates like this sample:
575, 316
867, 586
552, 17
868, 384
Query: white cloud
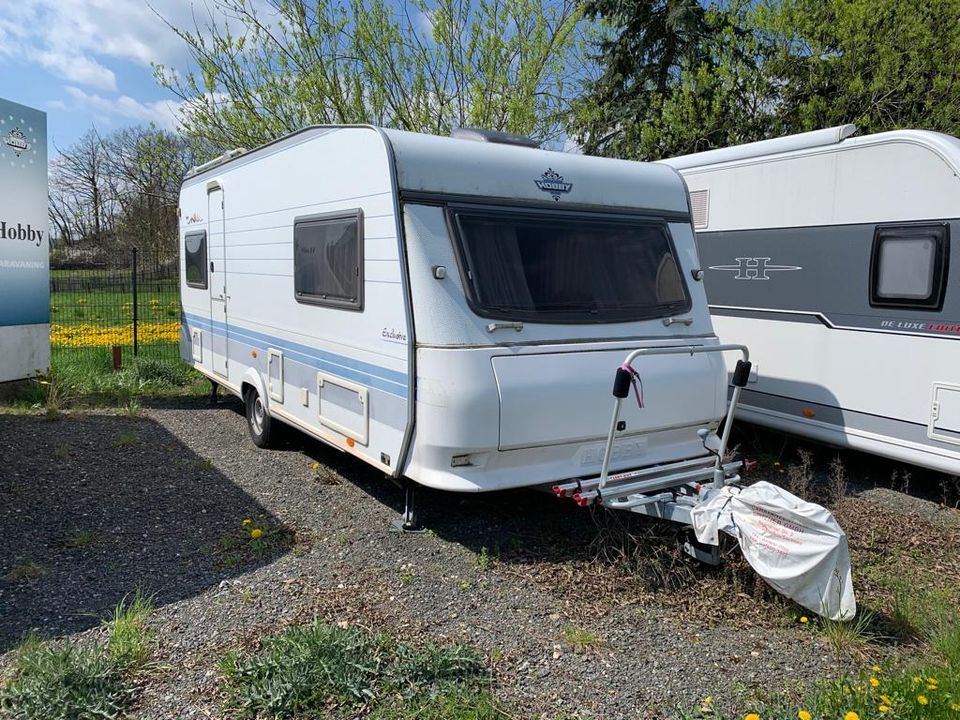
163, 113
77, 39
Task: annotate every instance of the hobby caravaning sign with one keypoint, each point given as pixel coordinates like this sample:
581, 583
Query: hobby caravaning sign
24, 243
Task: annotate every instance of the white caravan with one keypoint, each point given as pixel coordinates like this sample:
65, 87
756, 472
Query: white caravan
829, 255
453, 311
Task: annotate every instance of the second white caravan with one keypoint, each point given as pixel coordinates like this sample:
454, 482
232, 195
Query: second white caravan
830, 256
452, 311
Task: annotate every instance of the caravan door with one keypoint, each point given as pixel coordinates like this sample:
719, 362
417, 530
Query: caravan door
218, 278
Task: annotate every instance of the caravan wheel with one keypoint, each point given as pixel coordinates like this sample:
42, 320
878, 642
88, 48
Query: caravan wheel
258, 420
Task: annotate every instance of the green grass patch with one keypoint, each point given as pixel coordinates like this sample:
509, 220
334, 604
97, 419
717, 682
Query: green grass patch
326, 671
68, 681
450, 703
85, 377
924, 684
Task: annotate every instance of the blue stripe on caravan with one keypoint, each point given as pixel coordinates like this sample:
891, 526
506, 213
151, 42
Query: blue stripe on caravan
374, 376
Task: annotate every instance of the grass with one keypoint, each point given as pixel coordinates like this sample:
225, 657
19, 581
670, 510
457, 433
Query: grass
920, 684
85, 377
69, 681
450, 703
80, 539
26, 570
579, 639
328, 671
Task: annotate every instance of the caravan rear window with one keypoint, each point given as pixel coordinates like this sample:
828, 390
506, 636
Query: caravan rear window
328, 260
554, 268
195, 259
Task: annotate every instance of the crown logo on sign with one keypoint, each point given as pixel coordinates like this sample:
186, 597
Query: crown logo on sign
17, 141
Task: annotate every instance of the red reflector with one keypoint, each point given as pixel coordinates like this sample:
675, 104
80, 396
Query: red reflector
558, 491
580, 500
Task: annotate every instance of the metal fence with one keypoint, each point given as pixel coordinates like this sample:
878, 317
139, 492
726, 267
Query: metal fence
94, 311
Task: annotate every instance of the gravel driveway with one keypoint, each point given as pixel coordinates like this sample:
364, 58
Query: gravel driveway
96, 505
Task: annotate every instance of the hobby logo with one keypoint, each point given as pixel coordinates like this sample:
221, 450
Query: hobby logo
552, 182
754, 268
21, 232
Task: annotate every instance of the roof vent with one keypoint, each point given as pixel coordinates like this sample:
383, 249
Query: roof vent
493, 136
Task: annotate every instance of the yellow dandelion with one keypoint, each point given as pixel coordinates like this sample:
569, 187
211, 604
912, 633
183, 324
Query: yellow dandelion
708, 700
917, 679
883, 708
876, 668
804, 619
804, 715
315, 466
955, 707
922, 699
256, 533
851, 715
874, 682
885, 699
932, 681
751, 716
247, 521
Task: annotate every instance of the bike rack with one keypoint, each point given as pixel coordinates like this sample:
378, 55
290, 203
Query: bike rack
670, 490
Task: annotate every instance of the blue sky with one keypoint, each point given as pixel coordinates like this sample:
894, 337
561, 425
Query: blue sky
87, 62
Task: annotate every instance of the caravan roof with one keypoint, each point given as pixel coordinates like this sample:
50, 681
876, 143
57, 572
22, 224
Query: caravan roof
431, 164
828, 139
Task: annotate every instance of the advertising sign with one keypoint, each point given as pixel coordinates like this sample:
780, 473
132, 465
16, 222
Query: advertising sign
24, 243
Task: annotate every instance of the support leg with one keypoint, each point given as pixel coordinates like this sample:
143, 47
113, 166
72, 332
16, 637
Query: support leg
213, 392
408, 522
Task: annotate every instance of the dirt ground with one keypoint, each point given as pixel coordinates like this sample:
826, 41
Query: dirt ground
579, 614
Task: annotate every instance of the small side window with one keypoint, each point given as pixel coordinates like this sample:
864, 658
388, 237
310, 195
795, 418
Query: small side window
195, 258
328, 260
908, 266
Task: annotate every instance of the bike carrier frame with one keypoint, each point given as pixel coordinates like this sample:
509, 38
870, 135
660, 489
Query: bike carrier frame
670, 490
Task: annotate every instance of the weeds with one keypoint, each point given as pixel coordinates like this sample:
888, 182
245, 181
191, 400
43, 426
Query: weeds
308, 671
486, 558
450, 703
849, 637
24, 571
80, 539
579, 639
838, 484
126, 439
68, 681
253, 540
800, 474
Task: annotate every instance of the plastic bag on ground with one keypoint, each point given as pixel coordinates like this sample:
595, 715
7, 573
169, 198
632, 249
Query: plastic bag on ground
795, 545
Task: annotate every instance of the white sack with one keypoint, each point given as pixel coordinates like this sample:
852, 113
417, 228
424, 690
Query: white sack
795, 545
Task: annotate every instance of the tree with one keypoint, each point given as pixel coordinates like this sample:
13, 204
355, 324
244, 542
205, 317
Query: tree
881, 64
81, 206
678, 76
115, 192
504, 64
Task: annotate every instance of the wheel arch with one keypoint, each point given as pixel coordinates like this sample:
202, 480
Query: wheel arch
252, 380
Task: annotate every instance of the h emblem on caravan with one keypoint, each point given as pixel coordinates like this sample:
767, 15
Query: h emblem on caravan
753, 268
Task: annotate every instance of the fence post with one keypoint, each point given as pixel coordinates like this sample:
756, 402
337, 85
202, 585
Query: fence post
135, 343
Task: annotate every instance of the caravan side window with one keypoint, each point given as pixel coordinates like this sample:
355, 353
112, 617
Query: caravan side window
195, 259
908, 266
328, 259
